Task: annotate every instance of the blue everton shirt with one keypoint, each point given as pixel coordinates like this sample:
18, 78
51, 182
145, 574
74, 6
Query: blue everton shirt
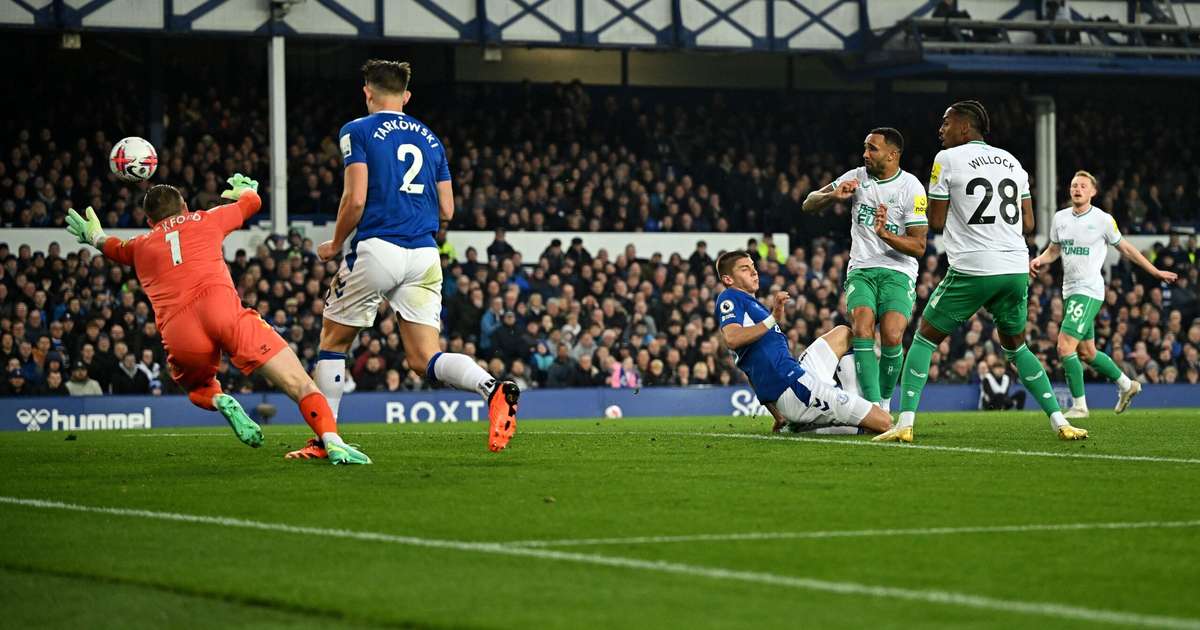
405, 161
767, 362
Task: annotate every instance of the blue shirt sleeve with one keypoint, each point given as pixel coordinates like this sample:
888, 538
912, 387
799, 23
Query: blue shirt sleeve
443, 167
351, 142
730, 310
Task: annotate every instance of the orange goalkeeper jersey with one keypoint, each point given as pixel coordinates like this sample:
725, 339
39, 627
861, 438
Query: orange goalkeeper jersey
181, 255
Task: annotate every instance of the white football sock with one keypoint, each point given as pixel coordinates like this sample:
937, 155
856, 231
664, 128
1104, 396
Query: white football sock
886, 404
1057, 420
847, 374
907, 418
461, 372
1079, 403
332, 438
1124, 383
330, 376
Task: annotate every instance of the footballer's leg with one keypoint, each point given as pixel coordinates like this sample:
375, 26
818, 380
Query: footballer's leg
862, 293
828, 407
1127, 388
1073, 369
891, 356
254, 346
330, 370
417, 303
285, 372
192, 358
912, 380
1009, 310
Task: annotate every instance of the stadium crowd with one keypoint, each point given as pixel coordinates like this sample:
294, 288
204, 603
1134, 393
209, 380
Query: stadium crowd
565, 157
564, 317
561, 157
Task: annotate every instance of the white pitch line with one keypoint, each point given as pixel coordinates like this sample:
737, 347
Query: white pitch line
948, 598
853, 533
786, 438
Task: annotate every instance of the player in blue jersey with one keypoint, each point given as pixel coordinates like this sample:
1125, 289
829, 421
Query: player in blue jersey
397, 193
801, 394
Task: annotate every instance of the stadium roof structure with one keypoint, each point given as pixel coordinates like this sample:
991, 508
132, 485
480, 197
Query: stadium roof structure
884, 38
940, 46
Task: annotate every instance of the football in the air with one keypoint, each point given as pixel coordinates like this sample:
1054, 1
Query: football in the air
133, 159
612, 411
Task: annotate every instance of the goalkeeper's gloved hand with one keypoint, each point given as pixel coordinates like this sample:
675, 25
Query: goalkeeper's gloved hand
87, 231
237, 185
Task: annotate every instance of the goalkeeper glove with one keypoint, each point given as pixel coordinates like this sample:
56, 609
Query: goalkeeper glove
239, 184
87, 231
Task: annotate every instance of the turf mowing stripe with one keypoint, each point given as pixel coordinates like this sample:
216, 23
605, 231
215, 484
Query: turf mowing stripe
852, 533
843, 588
954, 449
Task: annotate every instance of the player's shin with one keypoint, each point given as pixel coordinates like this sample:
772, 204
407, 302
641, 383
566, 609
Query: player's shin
1106, 367
914, 376
1033, 376
461, 372
317, 413
866, 366
330, 376
891, 360
1073, 369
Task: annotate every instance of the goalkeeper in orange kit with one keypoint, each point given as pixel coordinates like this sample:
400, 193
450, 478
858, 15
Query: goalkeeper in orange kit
180, 265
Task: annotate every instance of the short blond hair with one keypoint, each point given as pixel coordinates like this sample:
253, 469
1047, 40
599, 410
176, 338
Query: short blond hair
1095, 182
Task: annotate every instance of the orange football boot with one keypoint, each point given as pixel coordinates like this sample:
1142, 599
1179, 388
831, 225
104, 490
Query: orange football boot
314, 449
502, 414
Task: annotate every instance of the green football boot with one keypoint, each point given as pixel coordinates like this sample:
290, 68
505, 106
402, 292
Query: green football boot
345, 454
243, 427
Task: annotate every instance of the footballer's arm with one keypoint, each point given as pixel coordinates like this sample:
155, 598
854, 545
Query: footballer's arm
937, 214
1129, 251
445, 192
736, 335
350, 210
822, 198
1028, 223
913, 241
1053, 250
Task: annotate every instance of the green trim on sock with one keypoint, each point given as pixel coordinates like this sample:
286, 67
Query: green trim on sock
1073, 369
890, 364
1105, 366
866, 365
915, 372
1034, 378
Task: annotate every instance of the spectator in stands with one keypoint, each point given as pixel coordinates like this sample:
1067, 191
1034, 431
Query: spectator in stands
128, 379
80, 384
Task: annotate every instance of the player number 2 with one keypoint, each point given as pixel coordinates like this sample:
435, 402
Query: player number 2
1008, 201
402, 154
176, 252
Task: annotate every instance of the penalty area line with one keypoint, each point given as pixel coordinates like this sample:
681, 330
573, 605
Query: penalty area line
946, 598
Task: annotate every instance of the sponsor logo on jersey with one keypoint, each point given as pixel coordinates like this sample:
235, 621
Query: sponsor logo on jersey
920, 203
1069, 248
935, 175
345, 144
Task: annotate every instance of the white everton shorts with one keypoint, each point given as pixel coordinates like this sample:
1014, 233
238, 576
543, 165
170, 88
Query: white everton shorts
409, 279
828, 405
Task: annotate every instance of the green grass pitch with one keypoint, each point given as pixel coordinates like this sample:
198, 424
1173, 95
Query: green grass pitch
705, 523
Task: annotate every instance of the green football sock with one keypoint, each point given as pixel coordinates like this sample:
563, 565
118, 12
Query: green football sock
1074, 371
1107, 368
866, 364
1033, 376
890, 362
916, 372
